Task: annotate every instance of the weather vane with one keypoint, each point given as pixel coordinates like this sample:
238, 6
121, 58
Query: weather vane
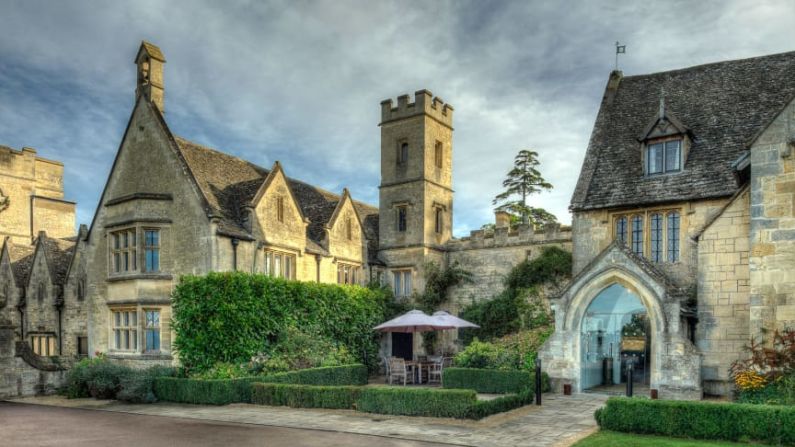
620, 49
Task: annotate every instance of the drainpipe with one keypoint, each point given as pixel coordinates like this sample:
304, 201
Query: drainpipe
317, 261
234, 254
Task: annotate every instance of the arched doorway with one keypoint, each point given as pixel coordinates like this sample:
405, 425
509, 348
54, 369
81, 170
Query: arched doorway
615, 332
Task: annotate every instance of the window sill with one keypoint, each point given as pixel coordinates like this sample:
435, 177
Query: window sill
121, 355
137, 276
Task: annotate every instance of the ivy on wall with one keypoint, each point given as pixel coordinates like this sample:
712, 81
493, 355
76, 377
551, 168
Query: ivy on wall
232, 317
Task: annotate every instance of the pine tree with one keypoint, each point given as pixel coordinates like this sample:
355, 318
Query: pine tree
522, 181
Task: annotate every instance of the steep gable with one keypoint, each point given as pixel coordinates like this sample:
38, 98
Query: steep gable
723, 105
344, 241
278, 215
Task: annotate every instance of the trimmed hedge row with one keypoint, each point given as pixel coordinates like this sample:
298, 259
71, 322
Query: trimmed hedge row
700, 420
305, 396
387, 400
492, 380
227, 391
331, 375
417, 401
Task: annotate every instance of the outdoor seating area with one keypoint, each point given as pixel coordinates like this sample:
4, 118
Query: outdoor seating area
424, 370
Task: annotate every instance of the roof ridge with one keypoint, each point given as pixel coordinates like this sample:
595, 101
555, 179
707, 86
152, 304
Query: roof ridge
707, 64
266, 170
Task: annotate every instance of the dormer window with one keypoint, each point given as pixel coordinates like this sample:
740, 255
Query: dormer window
663, 157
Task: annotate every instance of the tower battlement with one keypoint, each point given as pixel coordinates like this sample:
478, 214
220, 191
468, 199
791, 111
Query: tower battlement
424, 104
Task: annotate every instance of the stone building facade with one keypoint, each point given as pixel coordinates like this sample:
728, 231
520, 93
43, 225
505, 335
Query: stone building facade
682, 239
197, 210
42, 282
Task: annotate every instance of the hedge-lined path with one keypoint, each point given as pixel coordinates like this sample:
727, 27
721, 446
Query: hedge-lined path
560, 421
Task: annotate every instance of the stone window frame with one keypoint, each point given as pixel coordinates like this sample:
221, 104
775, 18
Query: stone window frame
139, 250
348, 273
402, 152
663, 142
438, 154
401, 222
120, 248
438, 219
154, 248
401, 287
269, 263
122, 326
280, 209
44, 344
646, 243
155, 328
349, 228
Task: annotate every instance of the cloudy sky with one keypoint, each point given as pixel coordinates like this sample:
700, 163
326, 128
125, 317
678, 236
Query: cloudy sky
301, 82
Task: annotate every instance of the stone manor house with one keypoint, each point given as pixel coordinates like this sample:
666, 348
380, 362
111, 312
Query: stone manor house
683, 232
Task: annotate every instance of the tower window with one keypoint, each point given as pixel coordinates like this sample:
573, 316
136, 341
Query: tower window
664, 157
403, 153
439, 224
401, 218
438, 154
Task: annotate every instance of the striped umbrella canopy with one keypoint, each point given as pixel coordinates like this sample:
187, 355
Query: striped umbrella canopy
413, 321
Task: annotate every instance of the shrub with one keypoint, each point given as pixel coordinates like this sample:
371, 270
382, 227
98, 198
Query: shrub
780, 391
103, 379
296, 349
488, 380
231, 317
226, 391
78, 377
221, 371
483, 408
332, 375
305, 396
552, 265
137, 386
208, 392
485, 355
700, 420
417, 401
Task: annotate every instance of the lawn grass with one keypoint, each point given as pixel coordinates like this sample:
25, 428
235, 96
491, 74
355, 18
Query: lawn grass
609, 439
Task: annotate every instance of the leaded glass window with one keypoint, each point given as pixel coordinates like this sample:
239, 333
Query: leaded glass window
621, 229
637, 235
673, 236
656, 230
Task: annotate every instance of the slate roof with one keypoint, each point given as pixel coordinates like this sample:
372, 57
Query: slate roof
21, 257
725, 105
228, 183
59, 254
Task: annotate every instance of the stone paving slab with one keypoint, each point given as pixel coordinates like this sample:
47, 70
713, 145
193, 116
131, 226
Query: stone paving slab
560, 421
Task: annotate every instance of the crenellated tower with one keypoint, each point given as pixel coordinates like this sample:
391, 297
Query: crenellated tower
416, 195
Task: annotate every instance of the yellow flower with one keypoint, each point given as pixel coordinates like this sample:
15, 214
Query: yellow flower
750, 380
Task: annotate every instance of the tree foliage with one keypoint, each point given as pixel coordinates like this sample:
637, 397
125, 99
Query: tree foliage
231, 317
524, 180
438, 280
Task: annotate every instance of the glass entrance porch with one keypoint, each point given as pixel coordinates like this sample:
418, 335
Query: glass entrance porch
615, 333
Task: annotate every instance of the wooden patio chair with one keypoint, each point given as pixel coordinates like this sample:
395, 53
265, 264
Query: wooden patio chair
435, 371
398, 369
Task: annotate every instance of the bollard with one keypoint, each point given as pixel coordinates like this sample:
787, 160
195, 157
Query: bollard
538, 381
629, 378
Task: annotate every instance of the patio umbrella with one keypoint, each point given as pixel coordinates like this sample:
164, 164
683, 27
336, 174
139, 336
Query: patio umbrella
451, 320
413, 321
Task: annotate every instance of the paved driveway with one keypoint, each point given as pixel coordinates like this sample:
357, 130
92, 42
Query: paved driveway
37, 425
556, 423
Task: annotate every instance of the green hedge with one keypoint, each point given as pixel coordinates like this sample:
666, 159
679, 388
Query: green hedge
227, 391
305, 396
700, 420
231, 317
209, 392
331, 375
417, 401
492, 380
483, 408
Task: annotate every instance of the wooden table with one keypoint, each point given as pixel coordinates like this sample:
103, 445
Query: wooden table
418, 366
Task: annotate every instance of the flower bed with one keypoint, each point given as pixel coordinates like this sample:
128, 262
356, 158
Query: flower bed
700, 420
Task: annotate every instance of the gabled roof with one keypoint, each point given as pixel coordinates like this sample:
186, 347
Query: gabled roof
21, 257
229, 184
723, 104
151, 49
57, 254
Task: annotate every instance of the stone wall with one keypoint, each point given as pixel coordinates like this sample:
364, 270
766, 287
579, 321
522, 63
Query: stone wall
490, 256
22, 373
772, 260
723, 291
24, 175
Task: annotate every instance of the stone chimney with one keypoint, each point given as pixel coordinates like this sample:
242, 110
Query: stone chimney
150, 62
502, 219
